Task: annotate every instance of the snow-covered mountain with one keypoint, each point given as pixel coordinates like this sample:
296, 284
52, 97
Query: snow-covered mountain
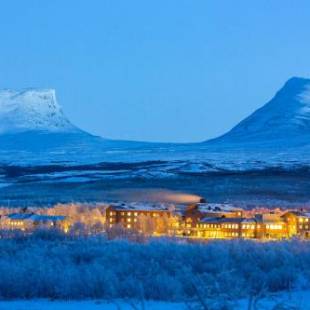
32, 110
267, 155
35, 132
33, 128
283, 121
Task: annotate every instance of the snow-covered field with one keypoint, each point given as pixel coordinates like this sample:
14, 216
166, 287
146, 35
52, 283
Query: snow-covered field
288, 301
86, 305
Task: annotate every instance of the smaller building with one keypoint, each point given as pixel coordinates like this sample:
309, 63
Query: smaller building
30, 221
196, 212
218, 228
262, 226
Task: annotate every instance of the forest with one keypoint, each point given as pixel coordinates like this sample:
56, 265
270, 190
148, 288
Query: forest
50, 264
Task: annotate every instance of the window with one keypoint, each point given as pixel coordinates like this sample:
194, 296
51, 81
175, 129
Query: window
136, 214
129, 220
128, 226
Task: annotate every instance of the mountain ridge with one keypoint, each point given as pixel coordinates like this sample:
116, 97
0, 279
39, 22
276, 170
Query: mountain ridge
286, 117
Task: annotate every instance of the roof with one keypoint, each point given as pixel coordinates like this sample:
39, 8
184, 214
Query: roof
217, 207
35, 217
38, 217
298, 213
19, 216
220, 220
137, 206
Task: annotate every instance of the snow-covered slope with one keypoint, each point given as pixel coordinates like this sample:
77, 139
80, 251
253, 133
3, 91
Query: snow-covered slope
283, 121
30, 110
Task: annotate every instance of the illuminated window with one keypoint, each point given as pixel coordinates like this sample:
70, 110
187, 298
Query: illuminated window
122, 213
128, 213
136, 214
129, 220
301, 220
128, 226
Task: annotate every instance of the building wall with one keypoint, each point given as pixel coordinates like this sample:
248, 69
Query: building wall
140, 220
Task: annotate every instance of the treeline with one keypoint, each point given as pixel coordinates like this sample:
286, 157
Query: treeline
51, 265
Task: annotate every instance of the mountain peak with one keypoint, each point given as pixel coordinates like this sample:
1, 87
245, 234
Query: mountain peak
297, 79
295, 86
30, 110
285, 118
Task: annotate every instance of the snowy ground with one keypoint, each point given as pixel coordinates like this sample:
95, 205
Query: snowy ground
293, 301
85, 305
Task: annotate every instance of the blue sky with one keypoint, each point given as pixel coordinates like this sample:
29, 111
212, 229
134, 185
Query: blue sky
166, 70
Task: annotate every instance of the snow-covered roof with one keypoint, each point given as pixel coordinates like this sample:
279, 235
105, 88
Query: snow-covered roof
222, 220
139, 206
35, 217
299, 213
217, 207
